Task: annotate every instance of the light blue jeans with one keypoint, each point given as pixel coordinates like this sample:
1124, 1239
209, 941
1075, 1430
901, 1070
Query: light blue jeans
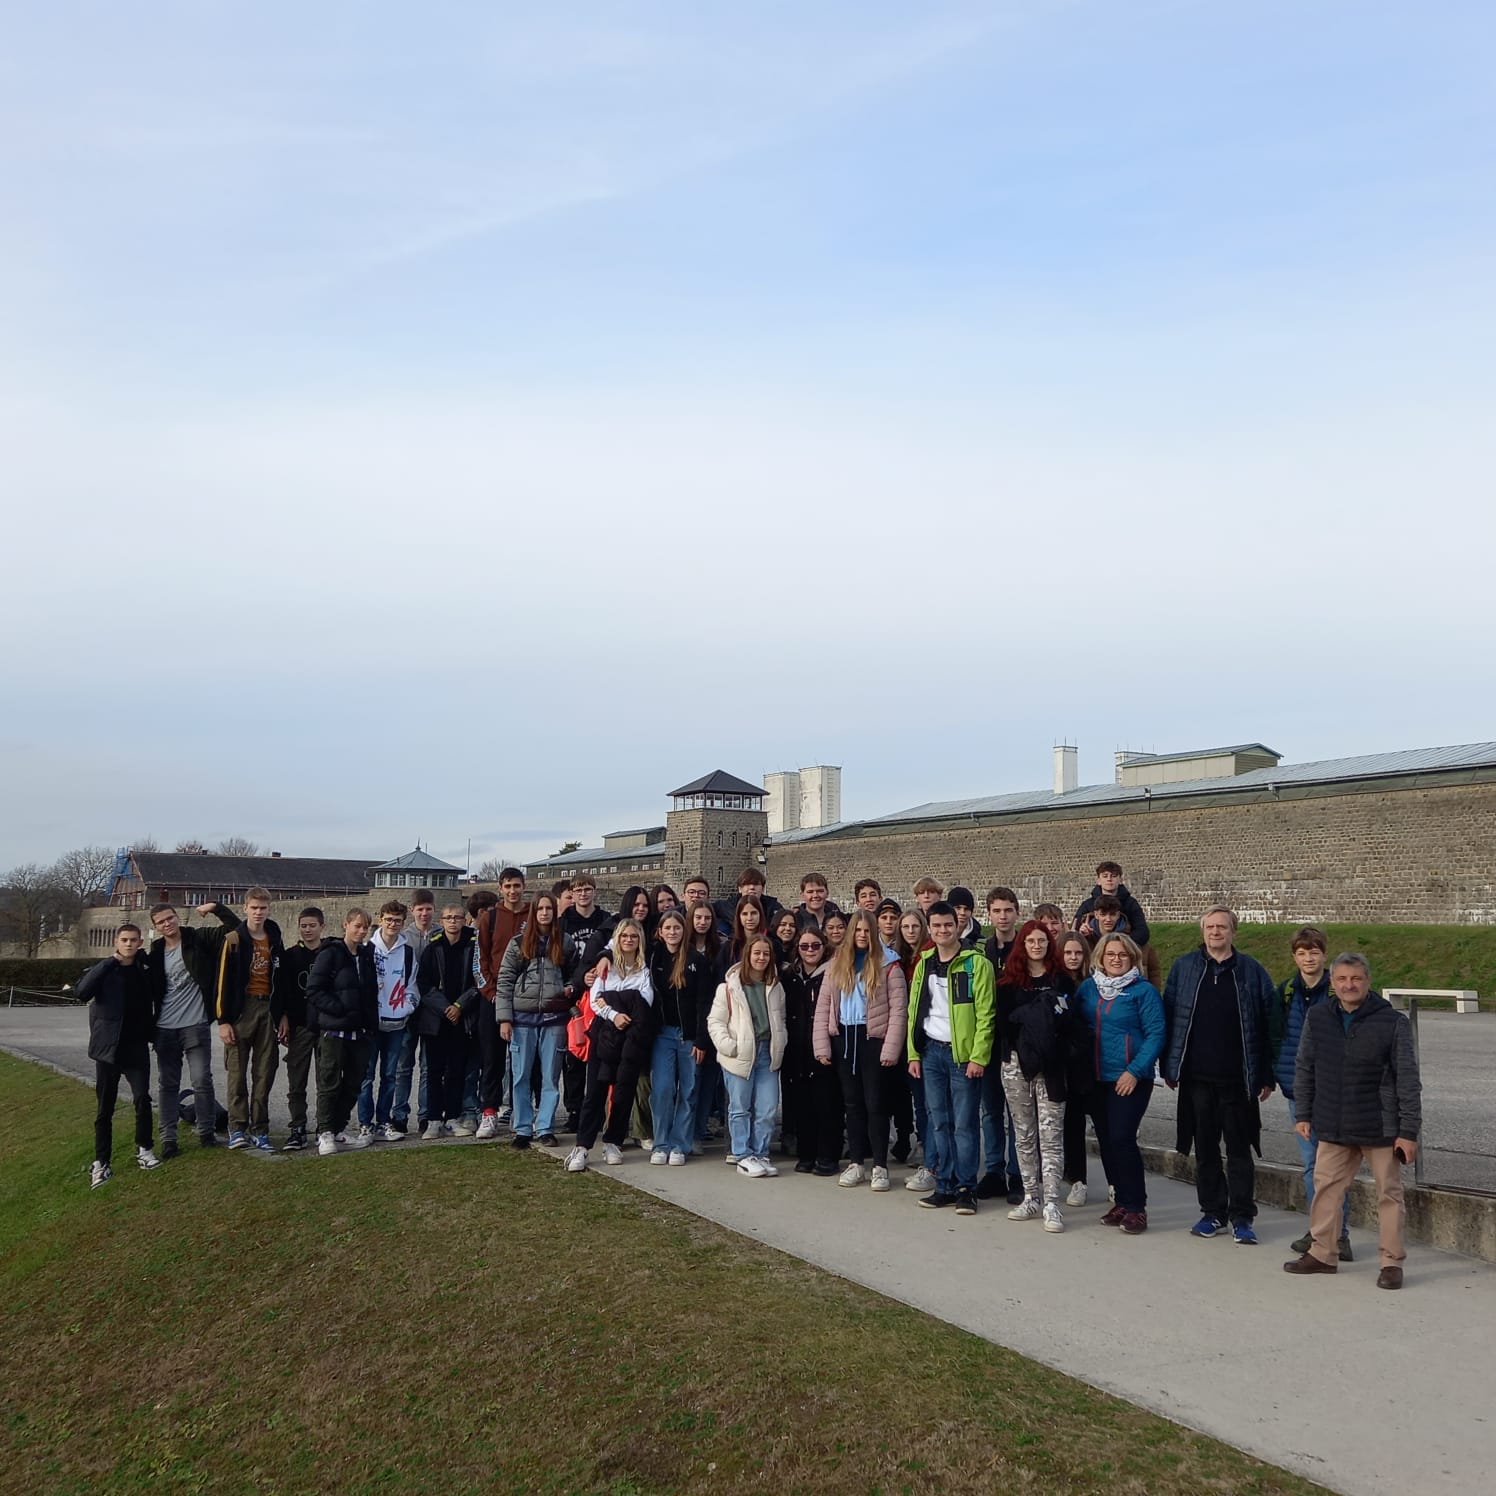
528, 1041
752, 1102
672, 1091
1308, 1147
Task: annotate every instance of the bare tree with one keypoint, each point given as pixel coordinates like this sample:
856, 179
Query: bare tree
30, 901
489, 870
238, 846
192, 844
83, 871
146, 843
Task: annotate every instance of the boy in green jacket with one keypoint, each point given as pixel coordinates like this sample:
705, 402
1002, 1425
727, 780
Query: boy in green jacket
951, 1018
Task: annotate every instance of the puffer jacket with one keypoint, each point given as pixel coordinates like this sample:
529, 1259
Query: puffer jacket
887, 1013
342, 990
537, 991
801, 991
1127, 1033
120, 1004
1359, 1086
685, 1007
1285, 1023
1255, 995
1041, 1028
444, 977
730, 1024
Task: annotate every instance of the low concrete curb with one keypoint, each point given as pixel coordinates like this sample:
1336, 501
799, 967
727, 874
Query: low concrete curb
1453, 1220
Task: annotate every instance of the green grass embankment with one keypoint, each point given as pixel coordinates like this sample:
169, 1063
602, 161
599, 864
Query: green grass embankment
472, 1319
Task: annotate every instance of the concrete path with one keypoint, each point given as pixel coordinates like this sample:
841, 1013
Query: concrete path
1362, 1390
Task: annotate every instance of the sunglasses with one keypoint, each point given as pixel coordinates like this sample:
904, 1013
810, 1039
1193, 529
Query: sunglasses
813, 945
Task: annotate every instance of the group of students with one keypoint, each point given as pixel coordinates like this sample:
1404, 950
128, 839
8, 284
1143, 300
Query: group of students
864, 1029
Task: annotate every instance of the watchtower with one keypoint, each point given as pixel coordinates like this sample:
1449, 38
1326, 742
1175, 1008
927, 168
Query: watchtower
715, 827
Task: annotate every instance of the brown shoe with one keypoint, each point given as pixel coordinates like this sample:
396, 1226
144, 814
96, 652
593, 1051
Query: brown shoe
1390, 1277
1309, 1263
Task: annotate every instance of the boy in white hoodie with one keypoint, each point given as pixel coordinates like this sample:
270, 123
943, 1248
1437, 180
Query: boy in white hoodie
394, 963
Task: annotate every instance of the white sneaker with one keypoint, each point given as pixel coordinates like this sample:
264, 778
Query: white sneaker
99, 1174
1053, 1220
732, 1158
488, 1127
146, 1159
752, 1167
770, 1172
921, 1180
461, 1128
677, 1159
852, 1175
576, 1160
326, 1144
362, 1138
391, 1134
647, 1144
880, 1180
659, 1156
433, 1131
341, 1139
612, 1153
1077, 1195
1025, 1210
506, 1114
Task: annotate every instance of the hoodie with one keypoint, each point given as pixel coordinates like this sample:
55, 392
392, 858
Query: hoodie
394, 966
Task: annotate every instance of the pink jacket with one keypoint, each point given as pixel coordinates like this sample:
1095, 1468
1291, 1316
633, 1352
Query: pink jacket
887, 1014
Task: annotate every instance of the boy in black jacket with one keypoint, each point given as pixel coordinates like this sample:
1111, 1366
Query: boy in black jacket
121, 1021
1109, 880
288, 1013
445, 1018
342, 1005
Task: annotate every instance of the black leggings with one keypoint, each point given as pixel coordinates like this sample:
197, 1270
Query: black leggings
622, 1075
864, 1093
134, 1064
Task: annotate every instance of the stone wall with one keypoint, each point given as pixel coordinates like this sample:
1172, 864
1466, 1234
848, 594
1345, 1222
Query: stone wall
1417, 855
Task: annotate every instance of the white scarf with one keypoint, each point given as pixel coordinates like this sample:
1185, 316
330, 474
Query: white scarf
1111, 987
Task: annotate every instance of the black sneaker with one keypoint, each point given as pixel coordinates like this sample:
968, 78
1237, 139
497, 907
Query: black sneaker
572, 1122
548, 1140
1343, 1246
206, 1140
901, 1151
823, 1170
966, 1202
805, 1166
937, 1201
295, 1140
990, 1186
1015, 1190
169, 1149
517, 1141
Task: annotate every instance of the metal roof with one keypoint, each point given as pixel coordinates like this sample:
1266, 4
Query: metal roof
419, 861
1280, 776
585, 856
179, 871
719, 782
1130, 760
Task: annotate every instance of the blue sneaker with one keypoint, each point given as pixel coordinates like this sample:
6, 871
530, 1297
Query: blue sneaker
1208, 1225
238, 1139
262, 1141
1242, 1234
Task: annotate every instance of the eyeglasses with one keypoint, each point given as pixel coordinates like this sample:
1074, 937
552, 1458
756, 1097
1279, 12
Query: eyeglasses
814, 945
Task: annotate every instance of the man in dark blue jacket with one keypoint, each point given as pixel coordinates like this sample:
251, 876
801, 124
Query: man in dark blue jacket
1217, 1000
1357, 1089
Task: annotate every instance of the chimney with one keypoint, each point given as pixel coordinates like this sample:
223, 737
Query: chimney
1066, 768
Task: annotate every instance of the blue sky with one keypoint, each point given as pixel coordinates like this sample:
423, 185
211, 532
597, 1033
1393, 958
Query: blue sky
472, 421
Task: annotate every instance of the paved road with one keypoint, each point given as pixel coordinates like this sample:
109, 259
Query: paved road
1364, 1391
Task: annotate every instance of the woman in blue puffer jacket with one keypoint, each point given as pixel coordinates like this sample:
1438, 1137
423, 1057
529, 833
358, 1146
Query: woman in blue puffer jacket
1125, 1015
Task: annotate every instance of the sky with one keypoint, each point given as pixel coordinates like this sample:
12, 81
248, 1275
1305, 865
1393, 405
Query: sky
466, 423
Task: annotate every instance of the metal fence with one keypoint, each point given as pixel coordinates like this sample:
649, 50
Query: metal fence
39, 997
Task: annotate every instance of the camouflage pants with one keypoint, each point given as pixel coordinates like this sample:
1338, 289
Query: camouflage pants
1039, 1129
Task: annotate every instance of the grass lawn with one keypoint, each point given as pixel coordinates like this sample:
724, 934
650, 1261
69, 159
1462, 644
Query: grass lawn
472, 1319
1400, 955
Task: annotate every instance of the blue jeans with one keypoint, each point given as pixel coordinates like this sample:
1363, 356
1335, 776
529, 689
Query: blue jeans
752, 1101
384, 1055
994, 1112
922, 1123
528, 1041
1307, 1149
672, 1091
953, 1102
400, 1111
